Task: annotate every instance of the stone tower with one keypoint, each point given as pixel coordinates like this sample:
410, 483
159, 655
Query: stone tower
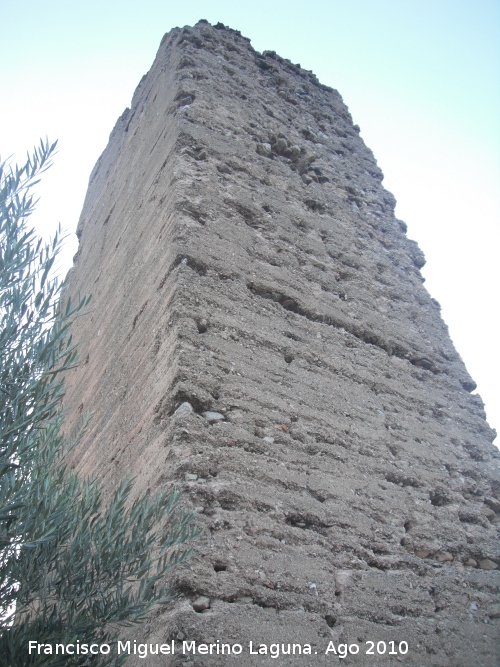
261, 338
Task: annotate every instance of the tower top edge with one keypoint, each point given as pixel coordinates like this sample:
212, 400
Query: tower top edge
202, 26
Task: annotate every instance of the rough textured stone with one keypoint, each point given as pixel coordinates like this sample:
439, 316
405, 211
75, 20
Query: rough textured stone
184, 409
213, 417
487, 564
295, 307
201, 604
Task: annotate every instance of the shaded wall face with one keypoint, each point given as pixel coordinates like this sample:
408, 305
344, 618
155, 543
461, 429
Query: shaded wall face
244, 259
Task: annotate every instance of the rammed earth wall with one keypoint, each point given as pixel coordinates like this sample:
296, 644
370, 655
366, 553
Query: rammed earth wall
244, 260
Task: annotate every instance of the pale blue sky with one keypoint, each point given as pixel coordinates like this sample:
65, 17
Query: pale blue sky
421, 78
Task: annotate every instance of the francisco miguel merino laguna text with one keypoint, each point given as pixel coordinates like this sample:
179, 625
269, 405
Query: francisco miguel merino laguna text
144, 650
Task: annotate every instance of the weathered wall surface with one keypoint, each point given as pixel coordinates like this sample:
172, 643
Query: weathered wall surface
244, 257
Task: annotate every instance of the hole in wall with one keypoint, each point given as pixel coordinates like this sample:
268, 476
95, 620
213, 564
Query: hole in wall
220, 567
330, 620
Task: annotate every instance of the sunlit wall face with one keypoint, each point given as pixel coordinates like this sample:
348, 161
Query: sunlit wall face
420, 78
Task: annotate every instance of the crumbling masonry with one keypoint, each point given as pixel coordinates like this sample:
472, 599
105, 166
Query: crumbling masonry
260, 337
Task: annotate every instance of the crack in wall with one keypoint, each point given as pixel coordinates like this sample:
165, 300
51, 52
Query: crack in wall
371, 338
